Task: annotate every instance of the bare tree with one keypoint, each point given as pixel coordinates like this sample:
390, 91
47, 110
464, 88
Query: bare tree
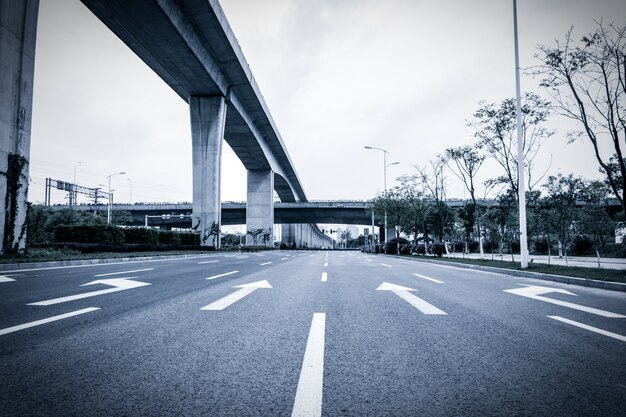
587, 82
434, 180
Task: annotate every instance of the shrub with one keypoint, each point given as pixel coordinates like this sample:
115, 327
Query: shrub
541, 246
420, 250
89, 234
141, 235
167, 237
391, 246
459, 246
439, 249
189, 239
473, 246
490, 246
515, 247
283, 246
581, 245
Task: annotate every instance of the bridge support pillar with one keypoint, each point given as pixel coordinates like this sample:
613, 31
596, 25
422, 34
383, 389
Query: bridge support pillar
288, 234
260, 208
208, 116
18, 30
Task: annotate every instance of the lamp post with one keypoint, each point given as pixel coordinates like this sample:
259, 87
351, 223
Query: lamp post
385, 153
74, 193
521, 182
110, 205
131, 190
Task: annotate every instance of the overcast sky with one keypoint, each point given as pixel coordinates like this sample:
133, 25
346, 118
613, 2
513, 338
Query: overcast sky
337, 75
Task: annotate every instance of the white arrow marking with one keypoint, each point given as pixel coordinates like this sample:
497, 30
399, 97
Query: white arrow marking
590, 328
430, 279
415, 301
118, 284
388, 266
223, 275
309, 394
5, 279
324, 277
246, 289
535, 291
48, 320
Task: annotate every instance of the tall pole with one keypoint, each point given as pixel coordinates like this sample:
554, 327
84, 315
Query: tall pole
131, 190
110, 205
385, 188
521, 186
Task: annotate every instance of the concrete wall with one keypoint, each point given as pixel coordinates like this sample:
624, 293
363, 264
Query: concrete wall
18, 30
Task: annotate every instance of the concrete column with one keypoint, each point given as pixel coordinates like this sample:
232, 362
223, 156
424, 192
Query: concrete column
260, 207
208, 116
288, 234
18, 30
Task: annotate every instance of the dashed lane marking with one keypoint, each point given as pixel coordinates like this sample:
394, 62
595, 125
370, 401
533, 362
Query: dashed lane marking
48, 320
590, 328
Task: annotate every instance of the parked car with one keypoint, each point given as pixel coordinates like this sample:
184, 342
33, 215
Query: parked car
391, 245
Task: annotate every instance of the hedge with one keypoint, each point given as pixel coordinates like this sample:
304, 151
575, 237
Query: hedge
110, 235
89, 234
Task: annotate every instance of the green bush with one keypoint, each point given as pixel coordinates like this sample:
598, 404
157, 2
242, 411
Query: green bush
167, 237
581, 245
189, 239
89, 234
141, 235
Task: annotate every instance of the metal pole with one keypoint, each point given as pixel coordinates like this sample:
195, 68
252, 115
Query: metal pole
521, 186
109, 203
385, 187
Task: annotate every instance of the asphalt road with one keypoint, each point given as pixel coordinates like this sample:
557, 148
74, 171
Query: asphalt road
317, 333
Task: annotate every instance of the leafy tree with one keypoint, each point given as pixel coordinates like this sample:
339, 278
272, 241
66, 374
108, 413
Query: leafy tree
562, 193
495, 128
587, 81
464, 162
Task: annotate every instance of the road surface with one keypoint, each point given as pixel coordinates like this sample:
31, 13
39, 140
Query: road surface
296, 333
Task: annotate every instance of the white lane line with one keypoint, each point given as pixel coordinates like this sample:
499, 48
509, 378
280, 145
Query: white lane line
222, 275
325, 264
48, 320
369, 260
124, 272
207, 262
308, 402
5, 279
324, 277
590, 328
265, 263
312, 256
49, 268
430, 279
388, 266
284, 259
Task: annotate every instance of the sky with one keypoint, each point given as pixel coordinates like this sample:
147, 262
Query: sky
337, 75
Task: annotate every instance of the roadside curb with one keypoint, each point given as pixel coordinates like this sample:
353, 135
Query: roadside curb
52, 264
585, 282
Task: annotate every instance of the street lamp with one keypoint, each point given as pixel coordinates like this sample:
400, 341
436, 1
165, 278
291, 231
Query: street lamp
110, 206
385, 153
74, 192
131, 190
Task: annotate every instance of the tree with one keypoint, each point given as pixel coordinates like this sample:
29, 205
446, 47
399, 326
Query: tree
434, 181
587, 82
562, 193
495, 127
464, 162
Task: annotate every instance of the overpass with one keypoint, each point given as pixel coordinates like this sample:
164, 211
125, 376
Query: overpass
191, 46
